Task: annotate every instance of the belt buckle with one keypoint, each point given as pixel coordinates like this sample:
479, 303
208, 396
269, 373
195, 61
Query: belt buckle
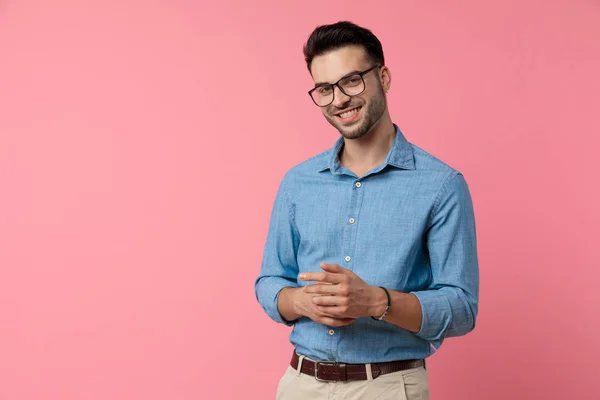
317, 371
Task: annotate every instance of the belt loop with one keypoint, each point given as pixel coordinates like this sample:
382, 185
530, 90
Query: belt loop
300, 359
369, 372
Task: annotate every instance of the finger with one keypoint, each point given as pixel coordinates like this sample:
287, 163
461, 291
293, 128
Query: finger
321, 277
336, 321
334, 311
345, 274
329, 301
322, 312
322, 289
335, 268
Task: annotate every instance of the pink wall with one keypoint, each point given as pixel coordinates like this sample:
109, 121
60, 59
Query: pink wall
142, 142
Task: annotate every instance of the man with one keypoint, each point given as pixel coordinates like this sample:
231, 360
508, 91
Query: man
371, 252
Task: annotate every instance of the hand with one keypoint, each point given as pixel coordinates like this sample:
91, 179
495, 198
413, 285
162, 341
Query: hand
340, 293
304, 305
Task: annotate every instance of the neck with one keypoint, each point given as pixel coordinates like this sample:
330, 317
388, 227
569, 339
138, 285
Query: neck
369, 151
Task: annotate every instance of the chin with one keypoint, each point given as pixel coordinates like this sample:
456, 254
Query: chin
354, 131
352, 134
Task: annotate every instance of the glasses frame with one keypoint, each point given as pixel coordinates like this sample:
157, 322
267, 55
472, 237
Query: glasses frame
333, 85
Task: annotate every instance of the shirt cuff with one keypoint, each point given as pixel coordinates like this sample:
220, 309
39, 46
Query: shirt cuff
436, 315
269, 290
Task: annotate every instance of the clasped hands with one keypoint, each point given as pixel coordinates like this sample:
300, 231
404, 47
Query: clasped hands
338, 297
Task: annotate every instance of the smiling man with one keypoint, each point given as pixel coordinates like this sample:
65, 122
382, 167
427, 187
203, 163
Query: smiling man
371, 253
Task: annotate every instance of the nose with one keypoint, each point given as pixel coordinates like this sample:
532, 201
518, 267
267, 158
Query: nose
339, 97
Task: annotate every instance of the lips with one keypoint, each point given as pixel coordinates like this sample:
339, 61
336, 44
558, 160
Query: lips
348, 115
348, 112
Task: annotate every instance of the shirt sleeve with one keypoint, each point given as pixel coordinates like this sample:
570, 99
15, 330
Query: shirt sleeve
450, 303
279, 267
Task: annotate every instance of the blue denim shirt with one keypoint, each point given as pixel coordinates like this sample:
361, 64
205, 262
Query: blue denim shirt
412, 230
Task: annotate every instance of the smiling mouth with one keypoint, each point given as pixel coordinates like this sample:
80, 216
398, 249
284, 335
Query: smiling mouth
348, 113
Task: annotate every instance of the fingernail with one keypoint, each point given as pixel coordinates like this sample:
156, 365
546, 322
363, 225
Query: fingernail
302, 276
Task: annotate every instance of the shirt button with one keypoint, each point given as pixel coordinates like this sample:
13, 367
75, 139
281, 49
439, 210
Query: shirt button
358, 184
331, 332
351, 220
348, 258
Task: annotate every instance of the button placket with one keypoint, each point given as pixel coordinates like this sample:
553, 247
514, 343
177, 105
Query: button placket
349, 246
352, 220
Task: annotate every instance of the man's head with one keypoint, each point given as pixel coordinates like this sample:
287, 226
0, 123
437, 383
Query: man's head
352, 57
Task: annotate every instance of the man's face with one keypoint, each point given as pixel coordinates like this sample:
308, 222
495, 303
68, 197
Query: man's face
352, 116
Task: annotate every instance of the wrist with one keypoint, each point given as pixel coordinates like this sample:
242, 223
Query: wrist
379, 302
288, 303
294, 295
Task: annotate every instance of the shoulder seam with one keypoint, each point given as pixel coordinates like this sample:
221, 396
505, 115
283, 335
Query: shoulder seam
316, 156
431, 156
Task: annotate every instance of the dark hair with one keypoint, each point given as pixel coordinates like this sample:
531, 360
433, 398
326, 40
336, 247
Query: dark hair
326, 38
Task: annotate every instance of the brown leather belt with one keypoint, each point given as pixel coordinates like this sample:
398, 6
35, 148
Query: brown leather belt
333, 371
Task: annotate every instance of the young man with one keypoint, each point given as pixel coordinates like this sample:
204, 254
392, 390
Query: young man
371, 253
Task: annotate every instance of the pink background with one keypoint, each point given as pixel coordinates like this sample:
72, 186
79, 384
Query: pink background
142, 142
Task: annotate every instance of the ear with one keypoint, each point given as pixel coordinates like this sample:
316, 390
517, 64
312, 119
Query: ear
385, 76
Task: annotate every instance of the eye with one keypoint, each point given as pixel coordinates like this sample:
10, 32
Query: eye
324, 90
353, 80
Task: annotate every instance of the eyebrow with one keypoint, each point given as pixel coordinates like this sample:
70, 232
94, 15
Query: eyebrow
318, 84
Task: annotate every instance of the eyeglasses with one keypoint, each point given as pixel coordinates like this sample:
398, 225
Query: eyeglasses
351, 85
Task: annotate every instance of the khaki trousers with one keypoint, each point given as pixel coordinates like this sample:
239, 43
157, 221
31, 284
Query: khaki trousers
410, 384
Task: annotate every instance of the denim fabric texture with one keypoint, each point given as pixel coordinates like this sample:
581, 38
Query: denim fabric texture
407, 225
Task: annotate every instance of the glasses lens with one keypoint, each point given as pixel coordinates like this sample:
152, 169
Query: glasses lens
353, 85
323, 95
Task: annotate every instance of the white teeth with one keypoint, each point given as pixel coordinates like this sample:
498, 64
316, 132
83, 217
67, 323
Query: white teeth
349, 113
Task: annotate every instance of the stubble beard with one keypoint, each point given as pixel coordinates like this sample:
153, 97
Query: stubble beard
372, 114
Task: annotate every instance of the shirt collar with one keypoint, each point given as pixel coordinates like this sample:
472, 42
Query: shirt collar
399, 156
